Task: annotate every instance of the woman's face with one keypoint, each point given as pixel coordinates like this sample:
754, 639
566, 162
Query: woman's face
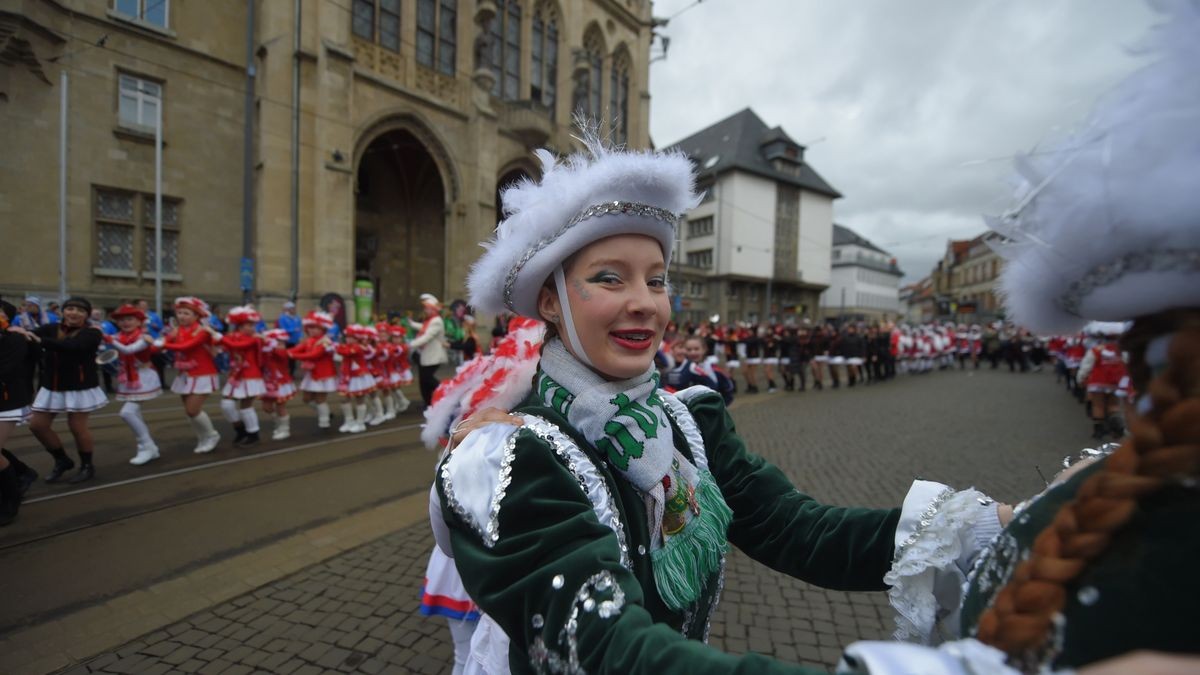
74, 316
246, 328
618, 292
186, 316
314, 331
430, 310
129, 323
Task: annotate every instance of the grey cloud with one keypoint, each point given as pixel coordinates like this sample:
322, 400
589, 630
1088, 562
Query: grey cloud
914, 100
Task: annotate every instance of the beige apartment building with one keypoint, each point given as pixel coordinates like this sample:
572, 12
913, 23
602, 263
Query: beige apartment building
407, 118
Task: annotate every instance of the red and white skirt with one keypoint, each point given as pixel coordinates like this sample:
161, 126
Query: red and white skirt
280, 392
324, 385
247, 388
358, 385
402, 378
85, 400
147, 387
196, 384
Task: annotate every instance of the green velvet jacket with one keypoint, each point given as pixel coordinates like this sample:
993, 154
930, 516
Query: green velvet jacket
571, 595
1143, 592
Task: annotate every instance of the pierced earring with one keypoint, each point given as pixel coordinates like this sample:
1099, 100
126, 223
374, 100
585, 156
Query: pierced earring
554, 319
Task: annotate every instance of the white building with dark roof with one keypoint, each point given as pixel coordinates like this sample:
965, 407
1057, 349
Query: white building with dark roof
757, 248
865, 281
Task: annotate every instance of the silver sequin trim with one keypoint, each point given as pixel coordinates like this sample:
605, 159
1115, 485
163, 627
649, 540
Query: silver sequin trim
586, 473
607, 208
601, 595
926, 518
1167, 260
687, 424
712, 608
489, 532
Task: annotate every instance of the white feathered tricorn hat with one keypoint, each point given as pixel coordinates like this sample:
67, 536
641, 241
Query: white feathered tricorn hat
1107, 226
587, 197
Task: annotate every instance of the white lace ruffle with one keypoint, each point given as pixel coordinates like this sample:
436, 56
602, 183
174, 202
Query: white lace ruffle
961, 657
939, 535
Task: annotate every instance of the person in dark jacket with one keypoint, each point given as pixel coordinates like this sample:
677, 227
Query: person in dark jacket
18, 355
854, 349
800, 354
68, 384
696, 368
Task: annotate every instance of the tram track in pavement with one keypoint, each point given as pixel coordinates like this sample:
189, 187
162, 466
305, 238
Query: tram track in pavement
76, 547
370, 455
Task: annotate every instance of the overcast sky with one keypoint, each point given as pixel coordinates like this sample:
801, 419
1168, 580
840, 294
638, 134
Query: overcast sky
910, 108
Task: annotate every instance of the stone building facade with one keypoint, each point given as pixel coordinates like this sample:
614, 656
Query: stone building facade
411, 114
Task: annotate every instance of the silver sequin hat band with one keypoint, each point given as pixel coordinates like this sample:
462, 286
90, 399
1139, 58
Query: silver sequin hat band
594, 211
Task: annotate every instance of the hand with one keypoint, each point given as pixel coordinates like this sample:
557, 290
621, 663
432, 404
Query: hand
1145, 663
480, 418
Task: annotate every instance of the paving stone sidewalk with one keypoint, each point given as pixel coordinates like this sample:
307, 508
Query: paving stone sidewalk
357, 612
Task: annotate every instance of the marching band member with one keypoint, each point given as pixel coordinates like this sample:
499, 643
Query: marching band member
137, 380
315, 354
401, 369
1100, 373
277, 377
19, 353
192, 343
355, 382
69, 384
376, 361
245, 382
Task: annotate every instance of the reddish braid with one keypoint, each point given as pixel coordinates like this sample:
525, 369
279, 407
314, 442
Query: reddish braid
1162, 446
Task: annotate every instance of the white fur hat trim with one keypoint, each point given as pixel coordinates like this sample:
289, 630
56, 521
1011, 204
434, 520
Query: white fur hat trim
584, 199
1108, 223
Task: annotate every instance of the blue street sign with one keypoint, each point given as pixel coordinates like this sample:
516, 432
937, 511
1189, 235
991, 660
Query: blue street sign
247, 274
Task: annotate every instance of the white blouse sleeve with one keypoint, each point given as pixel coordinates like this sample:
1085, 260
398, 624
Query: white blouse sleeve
940, 534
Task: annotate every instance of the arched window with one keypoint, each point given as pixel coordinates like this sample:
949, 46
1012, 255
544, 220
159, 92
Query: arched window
618, 91
591, 77
506, 49
544, 72
437, 34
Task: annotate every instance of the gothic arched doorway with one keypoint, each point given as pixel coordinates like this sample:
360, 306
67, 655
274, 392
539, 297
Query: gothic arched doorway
400, 221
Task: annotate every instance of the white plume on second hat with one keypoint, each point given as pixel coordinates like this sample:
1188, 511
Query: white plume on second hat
587, 197
1107, 223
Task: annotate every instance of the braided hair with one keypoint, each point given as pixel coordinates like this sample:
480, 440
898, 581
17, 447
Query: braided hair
1163, 446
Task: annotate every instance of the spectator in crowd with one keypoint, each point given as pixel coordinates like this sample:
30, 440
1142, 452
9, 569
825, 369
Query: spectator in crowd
52, 312
31, 317
291, 323
429, 346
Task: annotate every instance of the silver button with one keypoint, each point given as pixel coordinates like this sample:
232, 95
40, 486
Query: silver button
558, 581
1088, 596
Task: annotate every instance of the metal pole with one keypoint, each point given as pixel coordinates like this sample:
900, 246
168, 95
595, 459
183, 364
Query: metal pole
62, 188
248, 149
158, 266
296, 155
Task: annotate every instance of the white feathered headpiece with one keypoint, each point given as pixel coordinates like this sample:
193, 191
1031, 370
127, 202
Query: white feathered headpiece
1107, 226
583, 199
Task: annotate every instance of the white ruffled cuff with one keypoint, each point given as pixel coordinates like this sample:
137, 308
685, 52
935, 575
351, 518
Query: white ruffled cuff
962, 657
940, 534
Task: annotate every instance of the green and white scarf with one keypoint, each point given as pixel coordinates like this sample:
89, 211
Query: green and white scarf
686, 514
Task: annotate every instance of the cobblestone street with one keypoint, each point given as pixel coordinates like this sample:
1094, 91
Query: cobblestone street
357, 612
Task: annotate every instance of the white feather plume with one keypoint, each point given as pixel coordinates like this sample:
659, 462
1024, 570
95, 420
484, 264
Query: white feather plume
1125, 183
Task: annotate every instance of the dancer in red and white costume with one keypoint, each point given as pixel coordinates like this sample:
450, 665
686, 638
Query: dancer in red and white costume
315, 354
137, 381
376, 360
400, 370
245, 381
354, 379
278, 378
1101, 372
192, 343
